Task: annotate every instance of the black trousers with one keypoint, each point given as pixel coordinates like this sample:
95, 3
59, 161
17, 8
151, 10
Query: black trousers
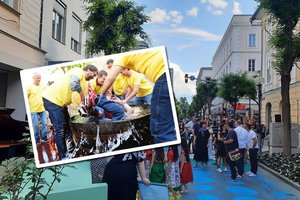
233, 165
253, 160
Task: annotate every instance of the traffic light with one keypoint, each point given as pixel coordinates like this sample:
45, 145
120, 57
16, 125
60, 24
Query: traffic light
186, 78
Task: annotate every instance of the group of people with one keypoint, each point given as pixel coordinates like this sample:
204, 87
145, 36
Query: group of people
140, 76
227, 137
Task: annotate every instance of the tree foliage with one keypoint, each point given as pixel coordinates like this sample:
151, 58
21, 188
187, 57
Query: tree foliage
113, 26
184, 104
235, 86
285, 39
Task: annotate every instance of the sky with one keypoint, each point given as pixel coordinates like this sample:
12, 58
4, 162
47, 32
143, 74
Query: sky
191, 30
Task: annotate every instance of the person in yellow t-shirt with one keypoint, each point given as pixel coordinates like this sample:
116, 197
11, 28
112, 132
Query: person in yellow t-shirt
119, 85
96, 83
37, 109
58, 96
139, 87
151, 64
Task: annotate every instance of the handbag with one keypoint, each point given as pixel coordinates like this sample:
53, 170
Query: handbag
234, 155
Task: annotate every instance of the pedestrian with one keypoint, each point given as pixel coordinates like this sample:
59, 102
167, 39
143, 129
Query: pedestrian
189, 133
148, 159
157, 166
39, 114
221, 154
242, 136
150, 63
201, 139
172, 168
252, 146
186, 171
231, 144
120, 174
59, 95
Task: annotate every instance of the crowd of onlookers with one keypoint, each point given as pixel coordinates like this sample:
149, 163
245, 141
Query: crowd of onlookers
232, 141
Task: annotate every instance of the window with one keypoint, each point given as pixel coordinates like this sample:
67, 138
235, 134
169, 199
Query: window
11, 3
252, 40
269, 66
58, 21
76, 34
251, 65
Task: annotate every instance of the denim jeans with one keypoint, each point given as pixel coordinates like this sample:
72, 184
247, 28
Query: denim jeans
161, 118
116, 110
36, 117
56, 115
143, 100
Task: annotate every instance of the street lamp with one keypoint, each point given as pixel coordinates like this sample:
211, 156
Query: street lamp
259, 81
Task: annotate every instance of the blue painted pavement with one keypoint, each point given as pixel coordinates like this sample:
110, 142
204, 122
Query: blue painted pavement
212, 185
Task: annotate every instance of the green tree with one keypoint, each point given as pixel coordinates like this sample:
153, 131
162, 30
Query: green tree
178, 108
211, 90
200, 98
184, 104
286, 41
235, 86
113, 26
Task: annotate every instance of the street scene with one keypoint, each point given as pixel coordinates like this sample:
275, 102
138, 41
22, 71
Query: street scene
206, 92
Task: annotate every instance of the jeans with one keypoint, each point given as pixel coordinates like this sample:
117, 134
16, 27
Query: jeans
111, 107
161, 118
56, 115
36, 117
253, 160
143, 100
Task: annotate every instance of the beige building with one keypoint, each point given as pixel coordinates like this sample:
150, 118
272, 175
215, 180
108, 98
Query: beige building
239, 51
271, 89
36, 33
204, 72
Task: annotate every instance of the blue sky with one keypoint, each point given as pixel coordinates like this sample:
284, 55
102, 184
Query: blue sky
191, 30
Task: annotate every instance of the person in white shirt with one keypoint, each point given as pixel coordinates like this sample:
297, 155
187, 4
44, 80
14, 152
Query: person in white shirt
242, 136
252, 145
189, 134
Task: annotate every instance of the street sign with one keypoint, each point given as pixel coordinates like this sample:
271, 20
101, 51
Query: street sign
192, 78
230, 111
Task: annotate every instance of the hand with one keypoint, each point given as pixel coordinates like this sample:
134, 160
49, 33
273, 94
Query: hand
146, 181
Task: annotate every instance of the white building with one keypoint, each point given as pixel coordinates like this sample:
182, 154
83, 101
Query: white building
239, 51
34, 33
204, 72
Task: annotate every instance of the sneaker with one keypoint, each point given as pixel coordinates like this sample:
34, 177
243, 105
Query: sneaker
225, 169
251, 175
239, 176
219, 170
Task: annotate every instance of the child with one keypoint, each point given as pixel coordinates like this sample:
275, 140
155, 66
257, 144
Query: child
172, 168
186, 173
157, 168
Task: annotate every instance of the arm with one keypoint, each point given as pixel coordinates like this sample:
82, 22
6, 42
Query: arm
75, 85
228, 141
132, 93
152, 160
141, 169
193, 131
114, 72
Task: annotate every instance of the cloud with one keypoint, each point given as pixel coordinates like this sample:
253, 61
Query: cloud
161, 16
193, 12
203, 35
176, 17
236, 8
214, 11
215, 7
182, 89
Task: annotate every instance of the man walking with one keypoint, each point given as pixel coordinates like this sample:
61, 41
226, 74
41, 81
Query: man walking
253, 149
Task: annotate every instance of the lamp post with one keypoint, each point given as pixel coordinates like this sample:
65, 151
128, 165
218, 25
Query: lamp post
259, 96
259, 81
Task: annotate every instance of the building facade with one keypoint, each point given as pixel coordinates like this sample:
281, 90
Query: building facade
239, 51
32, 34
204, 72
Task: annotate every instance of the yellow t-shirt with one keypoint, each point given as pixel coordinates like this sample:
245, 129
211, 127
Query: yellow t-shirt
145, 86
34, 93
150, 63
96, 88
119, 84
60, 91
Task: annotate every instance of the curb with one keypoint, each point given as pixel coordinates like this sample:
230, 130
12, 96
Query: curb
281, 177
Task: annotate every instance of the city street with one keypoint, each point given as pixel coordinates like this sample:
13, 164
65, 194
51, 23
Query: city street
212, 185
